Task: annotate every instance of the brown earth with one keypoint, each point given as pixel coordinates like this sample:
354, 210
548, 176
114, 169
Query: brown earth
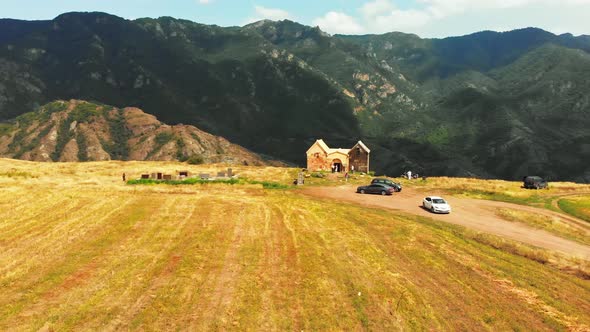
93, 137
475, 214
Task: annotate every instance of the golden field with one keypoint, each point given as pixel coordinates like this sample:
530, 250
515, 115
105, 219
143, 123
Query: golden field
81, 250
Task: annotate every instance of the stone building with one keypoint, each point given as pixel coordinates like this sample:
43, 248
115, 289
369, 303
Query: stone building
321, 157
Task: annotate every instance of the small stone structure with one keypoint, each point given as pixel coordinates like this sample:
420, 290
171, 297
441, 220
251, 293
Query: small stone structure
300, 179
320, 157
183, 174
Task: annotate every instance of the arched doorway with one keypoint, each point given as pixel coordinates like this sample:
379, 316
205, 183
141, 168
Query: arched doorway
338, 167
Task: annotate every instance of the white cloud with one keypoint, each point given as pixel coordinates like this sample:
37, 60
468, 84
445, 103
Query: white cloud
444, 17
376, 8
274, 14
205, 2
336, 22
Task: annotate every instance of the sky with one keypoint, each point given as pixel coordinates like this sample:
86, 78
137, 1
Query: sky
426, 18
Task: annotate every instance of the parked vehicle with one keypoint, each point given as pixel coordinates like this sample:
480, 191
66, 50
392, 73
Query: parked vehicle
436, 204
376, 188
396, 186
534, 182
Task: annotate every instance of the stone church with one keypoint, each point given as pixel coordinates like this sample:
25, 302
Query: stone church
322, 158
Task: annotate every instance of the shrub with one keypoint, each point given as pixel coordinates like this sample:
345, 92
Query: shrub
163, 138
5, 128
159, 141
25, 120
180, 156
120, 134
195, 160
54, 107
82, 147
84, 111
63, 137
33, 143
197, 138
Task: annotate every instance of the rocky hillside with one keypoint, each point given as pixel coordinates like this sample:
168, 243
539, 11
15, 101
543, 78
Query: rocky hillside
487, 104
83, 131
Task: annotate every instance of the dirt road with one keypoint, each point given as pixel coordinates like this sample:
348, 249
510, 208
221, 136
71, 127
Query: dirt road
472, 213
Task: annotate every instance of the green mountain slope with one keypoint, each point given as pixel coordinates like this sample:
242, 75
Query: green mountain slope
225, 81
487, 104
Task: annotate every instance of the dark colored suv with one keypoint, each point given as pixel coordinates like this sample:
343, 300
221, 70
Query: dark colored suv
534, 182
396, 186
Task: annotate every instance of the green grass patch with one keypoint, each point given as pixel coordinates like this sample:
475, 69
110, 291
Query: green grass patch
189, 181
533, 200
193, 181
578, 207
269, 184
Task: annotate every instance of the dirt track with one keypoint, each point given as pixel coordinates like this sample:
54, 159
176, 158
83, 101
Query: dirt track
475, 214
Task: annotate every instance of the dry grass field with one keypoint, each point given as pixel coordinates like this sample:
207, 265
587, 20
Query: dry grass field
81, 250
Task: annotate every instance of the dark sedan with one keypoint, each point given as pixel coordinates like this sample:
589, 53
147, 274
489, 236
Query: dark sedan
375, 188
396, 186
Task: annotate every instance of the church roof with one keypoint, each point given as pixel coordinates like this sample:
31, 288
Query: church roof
328, 150
321, 144
363, 146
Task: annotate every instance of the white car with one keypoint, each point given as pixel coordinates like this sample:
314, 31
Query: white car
436, 204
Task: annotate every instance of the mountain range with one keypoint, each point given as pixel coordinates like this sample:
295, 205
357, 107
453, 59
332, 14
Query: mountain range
488, 104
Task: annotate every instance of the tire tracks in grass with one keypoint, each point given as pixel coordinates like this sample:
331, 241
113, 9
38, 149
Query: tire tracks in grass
578, 221
327, 276
55, 236
30, 292
28, 211
81, 284
124, 275
223, 286
280, 272
78, 212
526, 296
162, 269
